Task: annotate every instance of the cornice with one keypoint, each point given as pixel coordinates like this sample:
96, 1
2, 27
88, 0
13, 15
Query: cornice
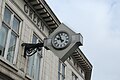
42, 8
84, 62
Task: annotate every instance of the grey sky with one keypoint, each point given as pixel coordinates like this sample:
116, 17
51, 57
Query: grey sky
99, 23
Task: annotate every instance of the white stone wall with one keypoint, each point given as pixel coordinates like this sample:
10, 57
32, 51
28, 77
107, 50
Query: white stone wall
49, 62
50, 66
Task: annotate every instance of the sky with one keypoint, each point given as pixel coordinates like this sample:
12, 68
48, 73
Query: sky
99, 23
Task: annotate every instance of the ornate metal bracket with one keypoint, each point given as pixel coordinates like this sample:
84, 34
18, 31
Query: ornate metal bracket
31, 49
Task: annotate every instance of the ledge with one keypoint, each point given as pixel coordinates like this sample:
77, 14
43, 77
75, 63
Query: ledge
6, 64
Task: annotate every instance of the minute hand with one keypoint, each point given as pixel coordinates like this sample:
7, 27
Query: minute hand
61, 38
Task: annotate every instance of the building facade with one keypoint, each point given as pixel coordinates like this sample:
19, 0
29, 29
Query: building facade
30, 21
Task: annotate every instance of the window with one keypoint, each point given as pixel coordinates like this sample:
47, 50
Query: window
9, 35
59, 65
61, 71
34, 61
16, 24
11, 49
74, 77
7, 16
3, 38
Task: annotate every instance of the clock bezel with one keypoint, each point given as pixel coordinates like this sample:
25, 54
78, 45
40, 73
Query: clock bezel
61, 48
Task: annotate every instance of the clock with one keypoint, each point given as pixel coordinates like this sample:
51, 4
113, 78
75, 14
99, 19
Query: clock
61, 40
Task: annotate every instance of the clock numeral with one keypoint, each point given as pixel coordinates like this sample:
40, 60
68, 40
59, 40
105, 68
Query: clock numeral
57, 45
61, 45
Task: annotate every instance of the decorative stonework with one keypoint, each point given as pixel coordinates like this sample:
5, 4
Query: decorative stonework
34, 17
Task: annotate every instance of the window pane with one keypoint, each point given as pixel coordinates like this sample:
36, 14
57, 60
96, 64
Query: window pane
58, 75
59, 66
7, 16
34, 40
16, 24
30, 65
34, 63
63, 69
63, 72
31, 61
3, 38
11, 49
37, 67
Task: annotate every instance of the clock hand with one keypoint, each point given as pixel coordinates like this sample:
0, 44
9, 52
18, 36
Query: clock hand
60, 38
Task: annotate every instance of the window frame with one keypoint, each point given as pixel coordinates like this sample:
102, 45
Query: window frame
4, 43
10, 32
34, 62
61, 70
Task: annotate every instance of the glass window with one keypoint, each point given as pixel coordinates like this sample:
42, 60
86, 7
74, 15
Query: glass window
34, 62
16, 24
8, 38
7, 16
11, 49
61, 71
37, 67
3, 38
34, 40
30, 65
59, 65
58, 76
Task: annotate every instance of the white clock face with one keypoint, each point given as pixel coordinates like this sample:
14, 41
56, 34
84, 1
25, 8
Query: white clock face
61, 40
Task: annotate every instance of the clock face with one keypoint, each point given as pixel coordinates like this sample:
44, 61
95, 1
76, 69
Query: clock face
60, 40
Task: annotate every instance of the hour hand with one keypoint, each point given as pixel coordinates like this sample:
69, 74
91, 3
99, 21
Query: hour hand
60, 38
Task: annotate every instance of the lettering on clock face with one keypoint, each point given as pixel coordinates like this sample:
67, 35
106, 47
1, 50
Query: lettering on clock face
61, 40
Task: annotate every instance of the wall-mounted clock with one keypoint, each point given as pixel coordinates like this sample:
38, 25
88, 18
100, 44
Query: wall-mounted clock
61, 40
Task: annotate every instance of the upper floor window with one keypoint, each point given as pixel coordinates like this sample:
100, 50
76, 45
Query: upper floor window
9, 35
7, 16
16, 24
3, 38
61, 71
33, 68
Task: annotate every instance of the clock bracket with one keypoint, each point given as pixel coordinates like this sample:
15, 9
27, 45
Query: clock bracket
30, 49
